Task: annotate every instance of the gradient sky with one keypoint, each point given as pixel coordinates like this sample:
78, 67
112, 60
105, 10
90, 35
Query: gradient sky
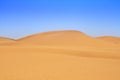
20, 18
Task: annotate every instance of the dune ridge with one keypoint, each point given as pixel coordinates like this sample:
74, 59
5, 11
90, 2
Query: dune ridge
4, 38
65, 38
6, 41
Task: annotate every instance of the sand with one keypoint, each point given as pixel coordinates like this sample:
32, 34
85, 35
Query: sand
6, 41
60, 55
112, 39
65, 38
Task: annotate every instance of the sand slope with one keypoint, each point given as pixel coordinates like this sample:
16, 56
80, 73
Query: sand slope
64, 38
112, 39
6, 41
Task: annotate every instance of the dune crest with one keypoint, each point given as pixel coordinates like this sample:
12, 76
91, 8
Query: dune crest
6, 41
3, 38
64, 38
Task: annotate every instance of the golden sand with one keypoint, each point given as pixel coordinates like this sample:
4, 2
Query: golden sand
60, 55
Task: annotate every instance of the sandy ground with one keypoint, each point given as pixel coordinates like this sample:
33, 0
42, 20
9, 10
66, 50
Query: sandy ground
31, 59
44, 63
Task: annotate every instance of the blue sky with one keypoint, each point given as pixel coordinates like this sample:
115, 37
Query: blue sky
20, 18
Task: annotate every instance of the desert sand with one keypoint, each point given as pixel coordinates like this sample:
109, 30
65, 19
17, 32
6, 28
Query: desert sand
64, 38
6, 41
112, 39
60, 55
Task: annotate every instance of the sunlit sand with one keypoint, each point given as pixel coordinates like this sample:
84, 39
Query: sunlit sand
59, 55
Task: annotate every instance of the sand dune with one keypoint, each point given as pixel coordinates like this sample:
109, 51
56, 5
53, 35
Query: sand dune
64, 38
112, 39
59, 55
6, 41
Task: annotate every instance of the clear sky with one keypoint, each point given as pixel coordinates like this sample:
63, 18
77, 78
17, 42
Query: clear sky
20, 18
